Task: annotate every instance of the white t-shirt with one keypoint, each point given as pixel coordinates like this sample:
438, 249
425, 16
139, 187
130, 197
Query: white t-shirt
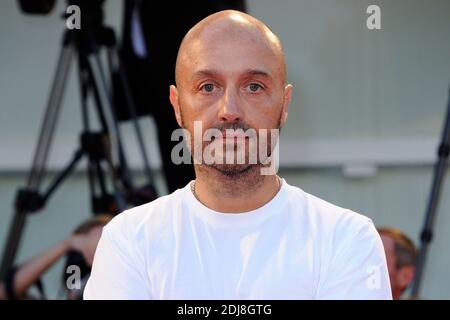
296, 246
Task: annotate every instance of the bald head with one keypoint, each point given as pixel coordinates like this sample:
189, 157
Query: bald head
233, 28
231, 74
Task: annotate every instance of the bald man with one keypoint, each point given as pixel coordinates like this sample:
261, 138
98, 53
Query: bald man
238, 231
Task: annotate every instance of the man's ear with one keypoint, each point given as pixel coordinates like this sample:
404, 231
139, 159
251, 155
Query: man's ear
405, 275
173, 96
286, 101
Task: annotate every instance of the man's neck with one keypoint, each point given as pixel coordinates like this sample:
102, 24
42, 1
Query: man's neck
240, 194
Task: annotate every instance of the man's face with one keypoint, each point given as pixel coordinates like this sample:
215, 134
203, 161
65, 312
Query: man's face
231, 83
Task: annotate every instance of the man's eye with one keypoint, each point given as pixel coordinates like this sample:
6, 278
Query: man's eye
254, 87
209, 87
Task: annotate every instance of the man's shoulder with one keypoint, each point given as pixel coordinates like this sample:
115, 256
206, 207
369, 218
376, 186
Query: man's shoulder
326, 214
151, 214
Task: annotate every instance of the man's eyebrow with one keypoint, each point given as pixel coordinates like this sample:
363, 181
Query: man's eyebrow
205, 73
256, 72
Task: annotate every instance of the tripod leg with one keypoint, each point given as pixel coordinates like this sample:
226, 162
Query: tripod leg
438, 179
124, 168
103, 101
41, 153
115, 63
124, 172
64, 174
50, 117
105, 109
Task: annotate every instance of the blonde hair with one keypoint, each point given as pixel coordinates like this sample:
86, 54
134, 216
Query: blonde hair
99, 220
405, 249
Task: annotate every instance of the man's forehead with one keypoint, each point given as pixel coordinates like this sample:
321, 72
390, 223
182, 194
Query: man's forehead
388, 242
230, 58
231, 38
215, 73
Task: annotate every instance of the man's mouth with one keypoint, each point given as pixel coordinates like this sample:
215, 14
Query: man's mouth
231, 137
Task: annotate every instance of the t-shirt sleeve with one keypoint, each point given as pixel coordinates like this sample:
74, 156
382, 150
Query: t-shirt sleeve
357, 269
117, 273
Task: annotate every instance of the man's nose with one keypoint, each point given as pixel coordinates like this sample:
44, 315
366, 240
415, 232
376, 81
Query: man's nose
230, 110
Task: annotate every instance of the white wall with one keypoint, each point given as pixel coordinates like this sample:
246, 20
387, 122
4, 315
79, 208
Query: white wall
352, 86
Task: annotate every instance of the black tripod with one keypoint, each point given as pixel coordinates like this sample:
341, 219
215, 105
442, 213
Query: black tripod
103, 148
438, 179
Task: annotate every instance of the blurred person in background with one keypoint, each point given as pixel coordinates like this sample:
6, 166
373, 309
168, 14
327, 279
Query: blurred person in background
401, 257
78, 248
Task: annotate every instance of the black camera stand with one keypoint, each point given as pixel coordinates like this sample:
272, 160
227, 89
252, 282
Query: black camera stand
103, 149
